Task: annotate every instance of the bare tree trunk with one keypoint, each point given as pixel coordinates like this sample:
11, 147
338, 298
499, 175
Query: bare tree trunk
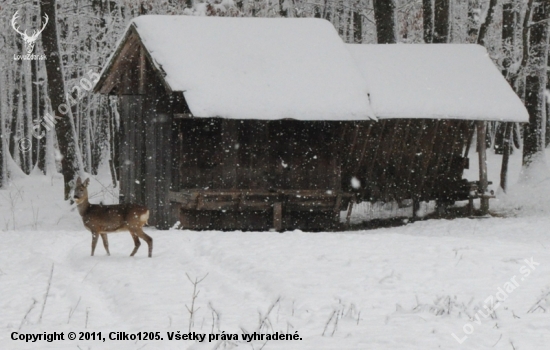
17, 106
26, 146
41, 143
535, 85
3, 135
357, 27
283, 11
488, 19
384, 15
482, 154
506, 155
34, 105
503, 139
442, 24
481, 41
317, 12
428, 18
341, 21
474, 9
327, 11
56, 91
87, 142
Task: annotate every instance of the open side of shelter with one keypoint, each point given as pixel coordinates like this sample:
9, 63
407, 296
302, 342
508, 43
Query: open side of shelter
445, 92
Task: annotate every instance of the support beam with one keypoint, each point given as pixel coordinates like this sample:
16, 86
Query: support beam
348, 215
278, 216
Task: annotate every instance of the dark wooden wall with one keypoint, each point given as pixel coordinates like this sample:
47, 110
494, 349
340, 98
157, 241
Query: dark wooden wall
131, 150
393, 159
148, 135
218, 153
420, 159
232, 174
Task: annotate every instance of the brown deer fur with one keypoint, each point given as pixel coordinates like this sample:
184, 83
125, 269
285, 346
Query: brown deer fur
103, 219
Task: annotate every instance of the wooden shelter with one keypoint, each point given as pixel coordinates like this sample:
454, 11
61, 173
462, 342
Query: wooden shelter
432, 98
233, 126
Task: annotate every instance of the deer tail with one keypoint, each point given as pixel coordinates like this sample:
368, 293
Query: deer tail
145, 217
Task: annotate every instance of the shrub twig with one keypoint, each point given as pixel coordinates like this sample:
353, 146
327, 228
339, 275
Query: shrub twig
71, 311
27, 314
196, 293
47, 293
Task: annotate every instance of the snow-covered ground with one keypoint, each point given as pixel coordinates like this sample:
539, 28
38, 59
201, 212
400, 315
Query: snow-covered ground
409, 287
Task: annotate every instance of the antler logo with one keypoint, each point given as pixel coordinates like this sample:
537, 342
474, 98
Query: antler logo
29, 40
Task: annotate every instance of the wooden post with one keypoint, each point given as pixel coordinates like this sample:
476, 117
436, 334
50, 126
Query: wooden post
470, 206
278, 216
348, 215
415, 209
336, 211
482, 152
175, 211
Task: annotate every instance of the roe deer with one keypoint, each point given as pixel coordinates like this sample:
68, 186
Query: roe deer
103, 219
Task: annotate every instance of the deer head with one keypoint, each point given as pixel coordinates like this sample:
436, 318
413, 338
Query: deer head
29, 40
81, 191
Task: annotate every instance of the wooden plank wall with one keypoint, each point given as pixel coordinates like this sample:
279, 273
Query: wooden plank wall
159, 144
393, 159
127, 78
198, 153
253, 171
258, 155
147, 139
131, 155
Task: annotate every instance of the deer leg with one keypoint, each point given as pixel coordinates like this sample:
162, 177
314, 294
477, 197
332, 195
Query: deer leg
94, 241
146, 238
137, 243
105, 243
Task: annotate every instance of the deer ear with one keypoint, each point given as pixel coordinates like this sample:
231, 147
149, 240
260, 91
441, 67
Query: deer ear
87, 182
78, 181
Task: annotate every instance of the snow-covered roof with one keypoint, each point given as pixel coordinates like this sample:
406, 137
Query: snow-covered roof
277, 68
257, 68
447, 81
